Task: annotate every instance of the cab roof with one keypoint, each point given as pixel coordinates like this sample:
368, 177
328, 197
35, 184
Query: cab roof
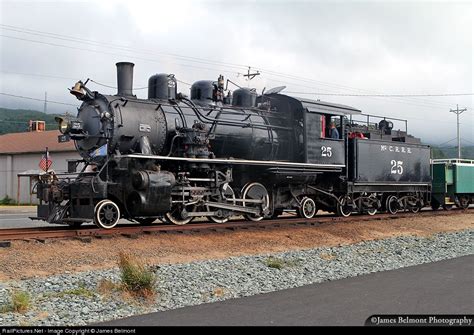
324, 107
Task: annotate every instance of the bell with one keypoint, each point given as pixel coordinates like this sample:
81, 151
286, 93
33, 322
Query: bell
220, 81
77, 90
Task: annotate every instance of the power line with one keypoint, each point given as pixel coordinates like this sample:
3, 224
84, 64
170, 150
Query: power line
183, 82
404, 101
116, 46
36, 99
18, 122
414, 101
38, 75
135, 50
70, 78
186, 58
463, 139
411, 100
418, 103
109, 53
63, 103
446, 142
384, 95
108, 86
291, 92
180, 81
187, 65
349, 88
113, 87
332, 94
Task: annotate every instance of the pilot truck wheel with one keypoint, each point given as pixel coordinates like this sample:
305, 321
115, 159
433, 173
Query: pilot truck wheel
106, 214
307, 209
343, 207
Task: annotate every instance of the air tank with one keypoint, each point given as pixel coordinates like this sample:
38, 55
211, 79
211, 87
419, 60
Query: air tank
244, 97
203, 90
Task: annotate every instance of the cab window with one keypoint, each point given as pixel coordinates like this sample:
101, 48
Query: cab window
331, 127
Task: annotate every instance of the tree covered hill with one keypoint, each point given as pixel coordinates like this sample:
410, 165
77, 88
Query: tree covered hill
467, 152
17, 120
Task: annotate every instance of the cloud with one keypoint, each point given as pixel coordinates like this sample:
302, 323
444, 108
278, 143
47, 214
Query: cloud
343, 47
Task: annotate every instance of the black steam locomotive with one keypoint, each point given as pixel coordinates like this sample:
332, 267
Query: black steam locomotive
216, 155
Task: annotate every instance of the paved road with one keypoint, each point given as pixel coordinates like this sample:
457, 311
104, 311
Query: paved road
18, 217
445, 287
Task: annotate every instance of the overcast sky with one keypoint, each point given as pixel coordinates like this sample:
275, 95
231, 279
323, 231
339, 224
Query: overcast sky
346, 47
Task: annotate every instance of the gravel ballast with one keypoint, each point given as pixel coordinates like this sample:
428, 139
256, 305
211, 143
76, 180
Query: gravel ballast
74, 298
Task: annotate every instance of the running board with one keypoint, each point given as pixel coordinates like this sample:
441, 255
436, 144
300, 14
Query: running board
228, 161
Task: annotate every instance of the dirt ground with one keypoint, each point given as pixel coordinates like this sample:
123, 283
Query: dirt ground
28, 259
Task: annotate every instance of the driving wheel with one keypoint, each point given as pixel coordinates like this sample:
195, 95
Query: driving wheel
228, 197
343, 208
255, 191
177, 217
392, 204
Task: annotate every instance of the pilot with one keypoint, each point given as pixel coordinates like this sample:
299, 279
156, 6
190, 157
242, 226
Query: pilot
333, 132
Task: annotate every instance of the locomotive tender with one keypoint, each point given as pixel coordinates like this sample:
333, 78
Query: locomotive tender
216, 155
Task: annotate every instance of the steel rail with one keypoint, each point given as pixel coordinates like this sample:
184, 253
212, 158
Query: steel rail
40, 233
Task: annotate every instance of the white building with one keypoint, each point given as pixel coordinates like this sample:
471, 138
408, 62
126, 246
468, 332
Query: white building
21, 152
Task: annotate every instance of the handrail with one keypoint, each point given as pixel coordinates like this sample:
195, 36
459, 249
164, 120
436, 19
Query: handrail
453, 161
368, 116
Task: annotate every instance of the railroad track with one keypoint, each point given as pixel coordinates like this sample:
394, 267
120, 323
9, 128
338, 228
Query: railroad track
53, 232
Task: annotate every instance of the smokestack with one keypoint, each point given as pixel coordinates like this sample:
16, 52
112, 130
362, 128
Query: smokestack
125, 79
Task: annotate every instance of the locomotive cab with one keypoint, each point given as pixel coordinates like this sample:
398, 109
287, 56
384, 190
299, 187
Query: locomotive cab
321, 146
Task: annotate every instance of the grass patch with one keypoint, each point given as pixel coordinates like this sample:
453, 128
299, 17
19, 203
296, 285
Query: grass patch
278, 263
327, 256
20, 303
107, 287
380, 250
135, 277
136, 280
6, 201
218, 292
80, 291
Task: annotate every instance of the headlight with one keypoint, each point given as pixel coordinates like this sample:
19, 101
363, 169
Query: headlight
63, 126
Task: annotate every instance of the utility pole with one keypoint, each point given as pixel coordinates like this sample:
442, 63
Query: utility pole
458, 112
45, 102
250, 75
